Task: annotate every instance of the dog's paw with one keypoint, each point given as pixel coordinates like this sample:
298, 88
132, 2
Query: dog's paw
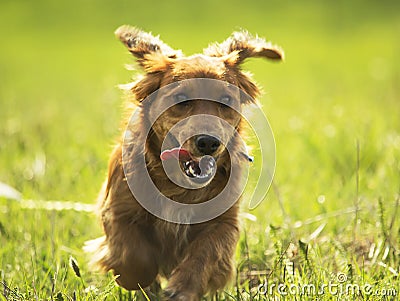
172, 295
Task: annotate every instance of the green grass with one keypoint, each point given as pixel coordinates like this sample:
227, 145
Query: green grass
333, 106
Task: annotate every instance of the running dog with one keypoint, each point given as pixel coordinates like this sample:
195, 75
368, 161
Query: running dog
139, 247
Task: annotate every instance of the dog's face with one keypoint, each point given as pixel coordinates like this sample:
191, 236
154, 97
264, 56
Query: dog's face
195, 104
202, 117
202, 114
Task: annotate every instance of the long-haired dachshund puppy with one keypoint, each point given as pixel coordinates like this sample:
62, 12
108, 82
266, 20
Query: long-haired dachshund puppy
202, 122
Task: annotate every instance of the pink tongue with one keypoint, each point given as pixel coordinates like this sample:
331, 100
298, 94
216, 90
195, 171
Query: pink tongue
178, 153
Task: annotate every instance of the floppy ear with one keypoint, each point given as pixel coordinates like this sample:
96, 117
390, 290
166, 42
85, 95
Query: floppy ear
242, 45
152, 54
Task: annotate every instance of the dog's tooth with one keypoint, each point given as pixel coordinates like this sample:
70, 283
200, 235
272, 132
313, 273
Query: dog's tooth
191, 170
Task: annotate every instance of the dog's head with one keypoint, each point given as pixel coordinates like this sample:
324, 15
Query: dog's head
201, 96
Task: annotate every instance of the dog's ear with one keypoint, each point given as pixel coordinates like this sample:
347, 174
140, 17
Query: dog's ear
152, 54
242, 45
237, 48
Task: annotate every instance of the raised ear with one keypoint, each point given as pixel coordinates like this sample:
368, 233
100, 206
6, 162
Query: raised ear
242, 45
151, 52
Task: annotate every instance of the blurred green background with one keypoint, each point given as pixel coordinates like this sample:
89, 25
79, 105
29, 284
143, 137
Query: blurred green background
60, 107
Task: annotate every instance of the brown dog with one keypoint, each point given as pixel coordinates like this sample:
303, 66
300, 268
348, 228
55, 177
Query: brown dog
196, 256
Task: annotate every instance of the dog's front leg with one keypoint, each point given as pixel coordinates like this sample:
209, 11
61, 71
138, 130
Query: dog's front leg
208, 263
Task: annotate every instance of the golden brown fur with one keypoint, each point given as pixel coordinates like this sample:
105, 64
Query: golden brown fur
139, 247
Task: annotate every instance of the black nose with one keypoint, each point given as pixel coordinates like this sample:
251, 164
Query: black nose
206, 144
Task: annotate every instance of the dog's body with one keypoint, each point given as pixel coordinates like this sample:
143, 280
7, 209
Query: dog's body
138, 246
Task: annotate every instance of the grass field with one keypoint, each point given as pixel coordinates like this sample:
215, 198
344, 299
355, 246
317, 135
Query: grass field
332, 215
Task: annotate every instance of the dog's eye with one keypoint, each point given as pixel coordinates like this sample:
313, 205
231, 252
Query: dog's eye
181, 97
225, 99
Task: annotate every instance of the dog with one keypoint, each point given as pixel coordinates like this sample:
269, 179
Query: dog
140, 247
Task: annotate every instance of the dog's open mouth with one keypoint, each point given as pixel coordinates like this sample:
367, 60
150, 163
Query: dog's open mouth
200, 169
